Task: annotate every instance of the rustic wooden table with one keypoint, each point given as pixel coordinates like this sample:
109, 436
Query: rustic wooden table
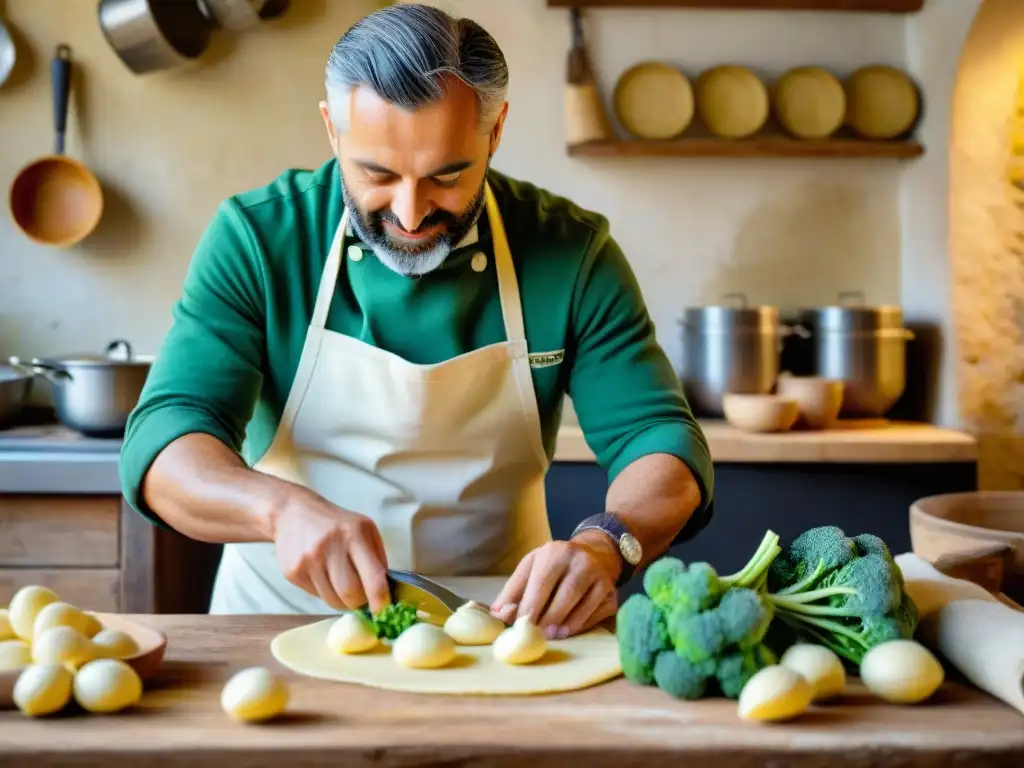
179, 722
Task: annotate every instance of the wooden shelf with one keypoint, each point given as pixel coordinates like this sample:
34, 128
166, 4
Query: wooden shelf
866, 6
765, 146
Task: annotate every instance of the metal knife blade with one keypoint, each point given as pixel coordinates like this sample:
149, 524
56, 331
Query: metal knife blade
428, 596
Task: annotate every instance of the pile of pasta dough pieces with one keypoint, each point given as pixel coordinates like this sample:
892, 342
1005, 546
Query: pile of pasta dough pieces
428, 646
61, 652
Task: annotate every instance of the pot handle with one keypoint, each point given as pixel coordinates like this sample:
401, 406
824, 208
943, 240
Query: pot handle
794, 330
117, 344
52, 373
845, 295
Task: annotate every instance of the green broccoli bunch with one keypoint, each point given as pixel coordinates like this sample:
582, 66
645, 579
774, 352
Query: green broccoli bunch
392, 620
692, 629
846, 593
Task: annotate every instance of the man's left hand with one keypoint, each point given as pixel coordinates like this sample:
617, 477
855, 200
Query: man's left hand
565, 587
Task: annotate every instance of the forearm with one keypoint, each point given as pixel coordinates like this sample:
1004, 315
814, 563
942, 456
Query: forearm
655, 496
203, 489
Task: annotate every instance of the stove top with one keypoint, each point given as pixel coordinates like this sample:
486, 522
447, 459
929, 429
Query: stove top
38, 430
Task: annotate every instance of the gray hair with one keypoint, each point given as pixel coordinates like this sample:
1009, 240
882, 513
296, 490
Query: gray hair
402, 52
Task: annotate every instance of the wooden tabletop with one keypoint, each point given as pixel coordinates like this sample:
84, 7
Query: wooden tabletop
618, 725
872, 441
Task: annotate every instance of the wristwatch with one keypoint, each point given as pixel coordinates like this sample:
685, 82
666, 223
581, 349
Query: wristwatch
629, 548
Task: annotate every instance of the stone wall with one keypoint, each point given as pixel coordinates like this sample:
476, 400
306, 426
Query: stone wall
987, 240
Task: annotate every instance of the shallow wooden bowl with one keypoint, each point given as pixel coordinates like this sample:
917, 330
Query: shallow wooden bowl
760, 413
152, 646
959, 523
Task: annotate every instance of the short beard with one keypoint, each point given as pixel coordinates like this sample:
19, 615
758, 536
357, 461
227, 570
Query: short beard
414, 261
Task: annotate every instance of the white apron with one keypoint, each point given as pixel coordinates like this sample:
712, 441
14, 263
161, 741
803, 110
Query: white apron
447, 459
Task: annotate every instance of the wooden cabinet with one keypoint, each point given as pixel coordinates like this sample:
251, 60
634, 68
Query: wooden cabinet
98, 553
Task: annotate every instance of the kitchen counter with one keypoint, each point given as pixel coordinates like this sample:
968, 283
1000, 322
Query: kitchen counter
179, 723
874, 441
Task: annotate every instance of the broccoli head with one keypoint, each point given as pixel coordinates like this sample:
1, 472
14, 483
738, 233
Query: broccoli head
641, 632
745, 617
810, 556
852, 609
871, 586
869, 544
736, 669
697, 637
681, 678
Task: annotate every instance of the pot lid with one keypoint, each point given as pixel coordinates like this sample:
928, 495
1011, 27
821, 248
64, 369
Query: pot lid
737, 315
851, 314
118, 352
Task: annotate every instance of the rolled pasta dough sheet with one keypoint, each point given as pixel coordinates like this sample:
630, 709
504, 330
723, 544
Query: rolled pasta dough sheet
571, 664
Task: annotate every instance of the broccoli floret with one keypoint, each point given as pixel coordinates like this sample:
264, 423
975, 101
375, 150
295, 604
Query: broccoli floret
392, 620
736, 669
697, 637
659, 578
678, 589
681, 678
641, 632
810, 556
745, 617
869, 544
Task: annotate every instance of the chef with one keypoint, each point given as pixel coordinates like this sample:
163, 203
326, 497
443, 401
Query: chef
367, 365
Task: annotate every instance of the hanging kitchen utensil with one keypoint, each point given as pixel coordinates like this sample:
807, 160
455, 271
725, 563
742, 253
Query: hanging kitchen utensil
150, 35
585, 116
235, 15
56, 200
8, 53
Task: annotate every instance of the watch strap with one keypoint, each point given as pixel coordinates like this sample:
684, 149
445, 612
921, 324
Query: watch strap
611, 525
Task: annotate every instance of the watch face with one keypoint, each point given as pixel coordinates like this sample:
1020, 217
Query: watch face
630, 548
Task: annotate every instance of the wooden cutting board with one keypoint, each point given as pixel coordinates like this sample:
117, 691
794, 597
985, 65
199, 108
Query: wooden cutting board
179, 722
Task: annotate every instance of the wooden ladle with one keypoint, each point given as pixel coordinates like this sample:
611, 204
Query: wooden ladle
55, 200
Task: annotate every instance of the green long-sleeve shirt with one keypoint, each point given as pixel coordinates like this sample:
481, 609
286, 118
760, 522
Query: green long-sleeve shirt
227, 364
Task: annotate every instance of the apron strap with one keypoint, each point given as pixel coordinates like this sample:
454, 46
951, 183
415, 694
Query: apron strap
329, 277
508, 286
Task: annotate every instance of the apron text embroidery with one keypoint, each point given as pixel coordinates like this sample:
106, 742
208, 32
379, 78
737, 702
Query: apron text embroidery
546, 359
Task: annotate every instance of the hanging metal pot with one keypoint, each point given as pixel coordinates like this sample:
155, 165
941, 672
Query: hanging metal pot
150, 35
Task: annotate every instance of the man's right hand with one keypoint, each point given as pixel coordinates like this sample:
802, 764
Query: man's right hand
331, 553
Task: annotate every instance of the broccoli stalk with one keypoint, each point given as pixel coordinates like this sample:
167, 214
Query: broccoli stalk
846, 603
754, 573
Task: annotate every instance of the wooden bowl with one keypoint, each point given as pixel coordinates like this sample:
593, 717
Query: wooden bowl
819, 400
760, 413
152, 646
961, 523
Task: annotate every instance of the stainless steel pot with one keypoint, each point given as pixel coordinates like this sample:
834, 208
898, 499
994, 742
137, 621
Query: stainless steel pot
729, 349
15, 386
94, 394
863, 346
150, 35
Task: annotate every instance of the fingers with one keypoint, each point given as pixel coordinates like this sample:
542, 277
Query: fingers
572, 591
371, 572
345, 580
322, 588
547, 571
597, 605
507, 602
